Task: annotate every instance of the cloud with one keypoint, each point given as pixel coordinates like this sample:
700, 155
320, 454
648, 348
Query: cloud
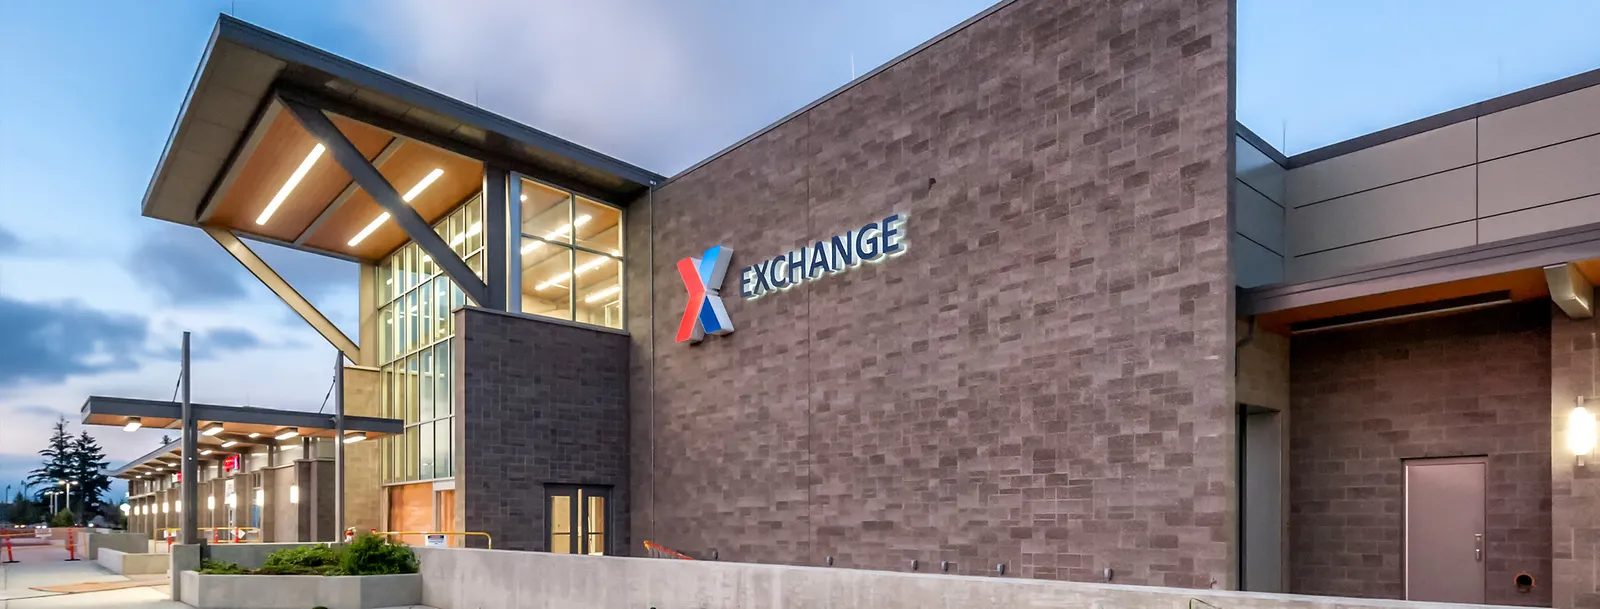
9, 243
232, 339
38, 411
183, 266
49, 342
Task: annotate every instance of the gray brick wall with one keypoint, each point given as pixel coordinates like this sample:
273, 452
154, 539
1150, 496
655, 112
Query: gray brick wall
1364, 400
539, 403
1041, 381
1576, 519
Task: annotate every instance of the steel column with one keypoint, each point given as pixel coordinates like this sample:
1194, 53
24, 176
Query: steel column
496, 240
190, 491
384, 193
338, 447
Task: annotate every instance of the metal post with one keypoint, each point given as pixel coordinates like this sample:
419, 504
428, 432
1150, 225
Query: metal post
189, 492
338, 447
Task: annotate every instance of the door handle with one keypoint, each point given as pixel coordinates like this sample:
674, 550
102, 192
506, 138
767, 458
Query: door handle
1477, 549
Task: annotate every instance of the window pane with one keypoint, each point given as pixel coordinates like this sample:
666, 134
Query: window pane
442, 461
415, 400
411, 451
546, 212
546, 275
441, 379
474, 225
385, 285
413, 319
599, 295
561, 524
426, 393
424, 266
441, 306
395, 278
401, 396
603, 229
386, 334
476, 264
425, 308
426, 435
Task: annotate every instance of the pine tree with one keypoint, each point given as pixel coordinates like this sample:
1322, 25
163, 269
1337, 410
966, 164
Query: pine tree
57, 462
88, 469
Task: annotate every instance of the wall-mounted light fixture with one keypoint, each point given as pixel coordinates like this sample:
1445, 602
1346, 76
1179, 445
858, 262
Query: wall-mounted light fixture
1581, 432
294, 494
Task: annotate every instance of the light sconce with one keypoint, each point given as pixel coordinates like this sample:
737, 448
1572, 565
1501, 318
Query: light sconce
294, 494
1581, 432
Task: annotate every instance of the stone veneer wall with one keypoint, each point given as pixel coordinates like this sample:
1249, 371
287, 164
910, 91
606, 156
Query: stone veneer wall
1576, 490
1043, 380
539, 402
1364, 400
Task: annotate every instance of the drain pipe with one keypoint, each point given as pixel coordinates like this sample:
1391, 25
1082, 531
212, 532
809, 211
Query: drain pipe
1249, 337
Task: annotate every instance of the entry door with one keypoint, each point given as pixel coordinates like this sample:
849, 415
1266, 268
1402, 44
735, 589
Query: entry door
578, 519
1444, 530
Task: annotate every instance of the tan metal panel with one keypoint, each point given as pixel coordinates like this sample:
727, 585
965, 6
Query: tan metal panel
1334, 262
1537, 177
1577, 212
1403, 159
1257, 217
1424, 203
1540, 123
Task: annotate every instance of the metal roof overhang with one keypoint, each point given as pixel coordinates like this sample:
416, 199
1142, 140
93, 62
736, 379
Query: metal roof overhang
237, 422
245, 66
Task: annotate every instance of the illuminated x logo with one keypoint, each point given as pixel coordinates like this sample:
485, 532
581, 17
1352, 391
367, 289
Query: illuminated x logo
703, 278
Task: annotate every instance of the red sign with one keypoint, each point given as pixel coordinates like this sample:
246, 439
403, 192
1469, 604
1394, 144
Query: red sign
231, 464
177, 477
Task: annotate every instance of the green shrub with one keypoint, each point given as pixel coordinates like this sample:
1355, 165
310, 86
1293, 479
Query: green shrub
217, 567
303, 560
63, 518
376, 555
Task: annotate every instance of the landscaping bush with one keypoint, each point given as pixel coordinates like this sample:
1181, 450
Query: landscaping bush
63, 518
376, 555
305, 560
217, 567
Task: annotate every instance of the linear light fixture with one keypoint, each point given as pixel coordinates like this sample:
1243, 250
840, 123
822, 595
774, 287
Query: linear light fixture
229, 444
427, 181
602, 294
288, 185
477, 227
355, 437
133, 424
286, 434
586, 267
212, 430
205, 452
254, 435
560, 232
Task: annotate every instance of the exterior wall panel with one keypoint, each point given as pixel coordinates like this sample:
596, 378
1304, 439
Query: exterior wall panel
1333, 262
1426, 153
1544, 218
1547, 175
1254, 265
1541, 123
1258, 218
1255, 168
1423, 203
1034, 382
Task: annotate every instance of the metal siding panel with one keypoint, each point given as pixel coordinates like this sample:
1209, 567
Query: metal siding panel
1403, 159
1334, 262
1255, 265
1577, 212
1540, 123
1546, 175
1256, 169
1257, 217
1415, 205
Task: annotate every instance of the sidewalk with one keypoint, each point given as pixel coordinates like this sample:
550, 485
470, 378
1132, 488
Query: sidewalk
40, 566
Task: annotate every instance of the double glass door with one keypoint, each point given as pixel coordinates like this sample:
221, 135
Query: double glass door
577, 519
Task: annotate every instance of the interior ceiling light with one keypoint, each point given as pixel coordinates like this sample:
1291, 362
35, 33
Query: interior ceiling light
287, 433
410, 194
602, 294
229, 444
477, 227
288, 185
558, 233
212, 430
133, 423
586, 267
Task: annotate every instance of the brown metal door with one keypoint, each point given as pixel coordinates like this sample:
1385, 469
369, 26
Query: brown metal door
1444, 530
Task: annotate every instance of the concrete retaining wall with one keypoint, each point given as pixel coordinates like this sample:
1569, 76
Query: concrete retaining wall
123, 563
454, 578
299, 591
90, 541
247, 555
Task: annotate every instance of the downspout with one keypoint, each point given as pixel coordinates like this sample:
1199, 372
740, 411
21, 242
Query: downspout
650, 197
1249, 337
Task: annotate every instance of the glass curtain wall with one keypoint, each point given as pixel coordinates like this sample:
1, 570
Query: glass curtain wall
415, 327
572, 256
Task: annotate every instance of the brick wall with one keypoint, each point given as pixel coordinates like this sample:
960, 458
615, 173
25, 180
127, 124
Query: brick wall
1041, 381
1576, 506
539, 403
1364, 400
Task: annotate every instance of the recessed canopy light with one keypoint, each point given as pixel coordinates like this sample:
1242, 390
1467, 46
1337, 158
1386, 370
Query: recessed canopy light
294, 179
205, 452
229, 444
427, 181
133, 423
287, 433
254, 435
212, 430
355, 437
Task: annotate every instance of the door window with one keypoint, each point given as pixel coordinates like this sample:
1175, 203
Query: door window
577, 519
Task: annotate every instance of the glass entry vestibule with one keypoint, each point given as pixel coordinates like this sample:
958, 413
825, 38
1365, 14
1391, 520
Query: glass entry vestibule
578, 519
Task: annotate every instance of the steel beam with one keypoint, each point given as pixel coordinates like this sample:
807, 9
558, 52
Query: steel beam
384, 193
286, 292
349, 191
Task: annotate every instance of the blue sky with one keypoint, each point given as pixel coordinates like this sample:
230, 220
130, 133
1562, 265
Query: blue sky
93, 297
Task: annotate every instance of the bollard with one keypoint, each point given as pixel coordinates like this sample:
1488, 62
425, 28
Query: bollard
10, 558
72, 548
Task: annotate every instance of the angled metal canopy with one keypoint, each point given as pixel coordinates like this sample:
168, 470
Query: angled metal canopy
387, 197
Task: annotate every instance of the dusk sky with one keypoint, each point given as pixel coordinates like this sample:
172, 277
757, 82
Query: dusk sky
93, 297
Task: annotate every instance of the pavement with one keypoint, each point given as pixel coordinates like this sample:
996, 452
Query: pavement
48, 566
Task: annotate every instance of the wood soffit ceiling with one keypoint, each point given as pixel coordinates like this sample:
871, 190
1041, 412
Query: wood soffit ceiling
284, 145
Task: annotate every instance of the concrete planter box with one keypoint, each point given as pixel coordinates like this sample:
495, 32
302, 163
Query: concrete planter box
300, 591
123, 563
